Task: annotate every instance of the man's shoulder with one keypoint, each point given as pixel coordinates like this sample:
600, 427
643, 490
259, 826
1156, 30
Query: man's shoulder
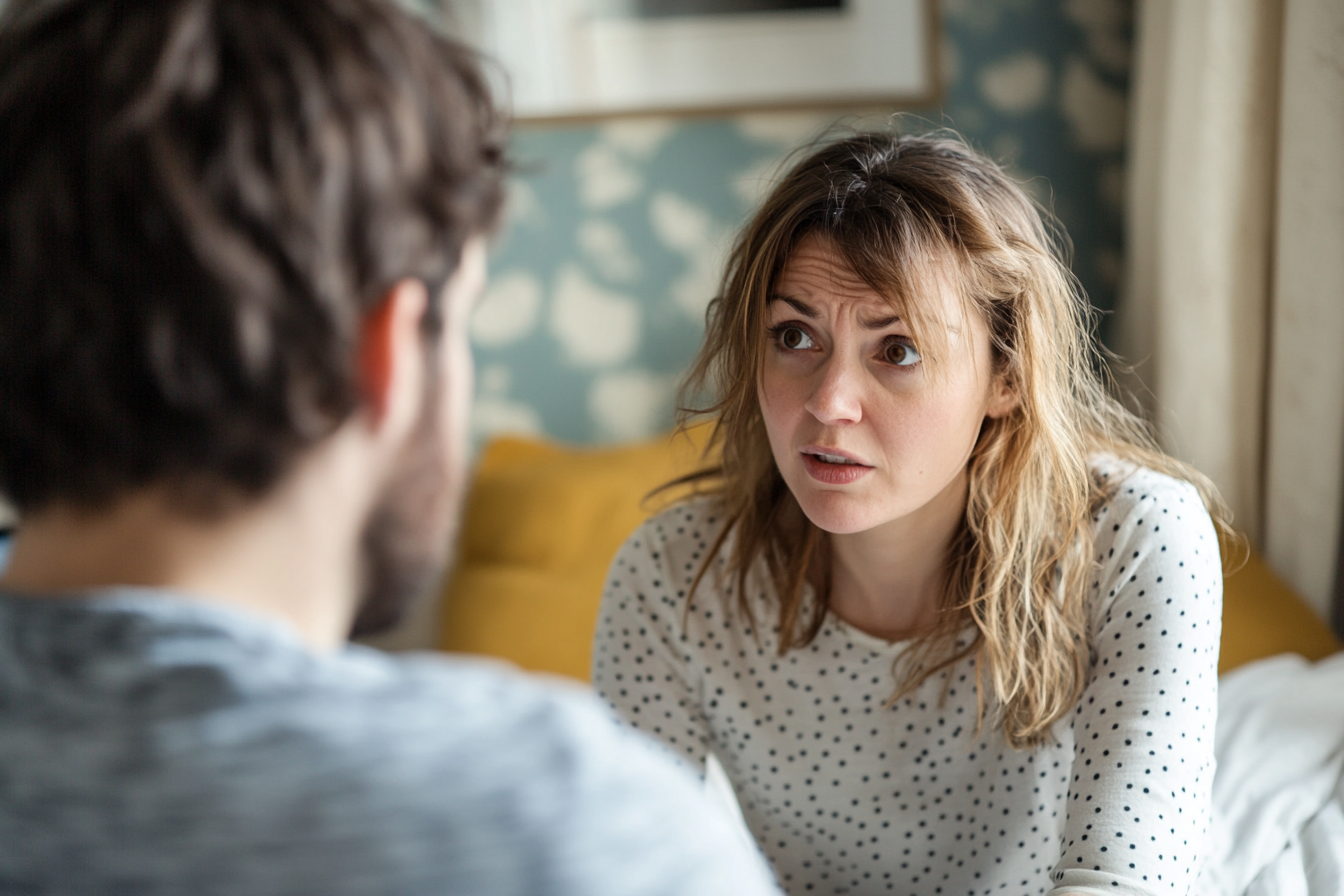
438, 709
263, 767
474, 691
442, 719
478, 761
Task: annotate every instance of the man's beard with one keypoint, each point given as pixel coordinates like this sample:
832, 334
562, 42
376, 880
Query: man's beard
407, 542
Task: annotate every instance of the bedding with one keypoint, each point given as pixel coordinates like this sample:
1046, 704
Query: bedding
1278, 796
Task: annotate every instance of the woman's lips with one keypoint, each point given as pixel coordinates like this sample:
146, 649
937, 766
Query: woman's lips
837, 469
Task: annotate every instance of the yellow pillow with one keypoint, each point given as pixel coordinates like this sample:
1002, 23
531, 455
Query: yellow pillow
541, 527
543, 522
1263, 615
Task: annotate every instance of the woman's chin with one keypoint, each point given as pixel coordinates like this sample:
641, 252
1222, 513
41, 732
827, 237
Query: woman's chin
838, 513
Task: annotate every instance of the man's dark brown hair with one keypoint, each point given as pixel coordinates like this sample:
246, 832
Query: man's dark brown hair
199, 202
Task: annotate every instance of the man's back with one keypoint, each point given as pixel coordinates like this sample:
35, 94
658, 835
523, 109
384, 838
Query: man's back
149, 745
240, 244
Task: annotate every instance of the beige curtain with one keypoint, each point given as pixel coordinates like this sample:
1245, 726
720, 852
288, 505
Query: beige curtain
1233, 311
1305, 421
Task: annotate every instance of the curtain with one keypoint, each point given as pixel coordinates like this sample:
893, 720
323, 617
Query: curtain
1305, 420
1233, 305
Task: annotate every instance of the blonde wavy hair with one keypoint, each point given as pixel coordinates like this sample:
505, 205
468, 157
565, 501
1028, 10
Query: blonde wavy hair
901, 209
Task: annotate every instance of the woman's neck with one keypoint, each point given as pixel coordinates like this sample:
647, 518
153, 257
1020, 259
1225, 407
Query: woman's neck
888, 581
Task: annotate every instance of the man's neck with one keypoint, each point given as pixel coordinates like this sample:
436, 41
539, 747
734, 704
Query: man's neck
292, 555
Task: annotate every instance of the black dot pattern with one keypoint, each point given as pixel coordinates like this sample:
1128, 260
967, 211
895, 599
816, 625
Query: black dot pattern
846, 794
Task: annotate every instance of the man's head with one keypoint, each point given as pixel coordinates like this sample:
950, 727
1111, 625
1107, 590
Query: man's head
205, 208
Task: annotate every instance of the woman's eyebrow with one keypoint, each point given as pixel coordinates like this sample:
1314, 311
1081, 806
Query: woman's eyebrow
801, 307
806, 310
879, 323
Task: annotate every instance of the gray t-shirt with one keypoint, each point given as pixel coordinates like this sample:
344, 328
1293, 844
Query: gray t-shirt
153, 745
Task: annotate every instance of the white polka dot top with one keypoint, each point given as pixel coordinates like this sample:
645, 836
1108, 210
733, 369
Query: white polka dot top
848, 795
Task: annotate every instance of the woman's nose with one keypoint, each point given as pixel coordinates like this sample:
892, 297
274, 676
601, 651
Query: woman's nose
837, 395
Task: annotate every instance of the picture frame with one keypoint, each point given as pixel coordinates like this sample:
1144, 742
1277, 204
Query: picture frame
591, 59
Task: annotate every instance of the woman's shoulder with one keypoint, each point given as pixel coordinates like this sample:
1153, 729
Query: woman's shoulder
1152, 533
1130, 488
671, 545
658, 568
691, 525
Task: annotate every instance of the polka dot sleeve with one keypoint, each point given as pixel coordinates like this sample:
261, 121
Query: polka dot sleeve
642, 662
1140, 788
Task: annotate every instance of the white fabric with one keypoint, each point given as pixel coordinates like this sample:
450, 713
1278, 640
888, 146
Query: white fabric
1278, 816
1313, 862
845, 794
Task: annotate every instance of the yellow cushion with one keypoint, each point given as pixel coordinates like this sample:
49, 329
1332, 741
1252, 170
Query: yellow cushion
1263, 616
542, 524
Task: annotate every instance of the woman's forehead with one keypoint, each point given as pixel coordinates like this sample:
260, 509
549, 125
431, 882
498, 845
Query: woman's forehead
817, 271
815, 266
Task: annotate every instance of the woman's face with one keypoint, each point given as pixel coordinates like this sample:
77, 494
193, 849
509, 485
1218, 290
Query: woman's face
862, 431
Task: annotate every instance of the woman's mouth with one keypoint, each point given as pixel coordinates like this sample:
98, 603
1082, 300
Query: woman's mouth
833, 469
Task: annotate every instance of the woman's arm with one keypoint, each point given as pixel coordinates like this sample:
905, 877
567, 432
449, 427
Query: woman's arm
1143, 766
643, 662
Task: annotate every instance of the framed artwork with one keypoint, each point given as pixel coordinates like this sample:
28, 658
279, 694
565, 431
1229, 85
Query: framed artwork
568, 59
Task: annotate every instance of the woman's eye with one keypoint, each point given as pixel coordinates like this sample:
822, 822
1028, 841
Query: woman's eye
902, 354
794, 338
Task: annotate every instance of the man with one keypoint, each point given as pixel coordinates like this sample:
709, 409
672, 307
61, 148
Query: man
239, 242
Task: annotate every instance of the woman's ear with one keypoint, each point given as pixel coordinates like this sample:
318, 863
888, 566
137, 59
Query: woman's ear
1003, 398
391, 354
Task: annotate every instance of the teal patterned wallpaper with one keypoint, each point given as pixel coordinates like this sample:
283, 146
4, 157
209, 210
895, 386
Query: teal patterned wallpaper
615, 231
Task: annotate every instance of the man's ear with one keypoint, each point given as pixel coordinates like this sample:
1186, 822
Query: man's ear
391, 354
1003, 397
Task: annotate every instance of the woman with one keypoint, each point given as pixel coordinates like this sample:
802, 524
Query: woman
946, 614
